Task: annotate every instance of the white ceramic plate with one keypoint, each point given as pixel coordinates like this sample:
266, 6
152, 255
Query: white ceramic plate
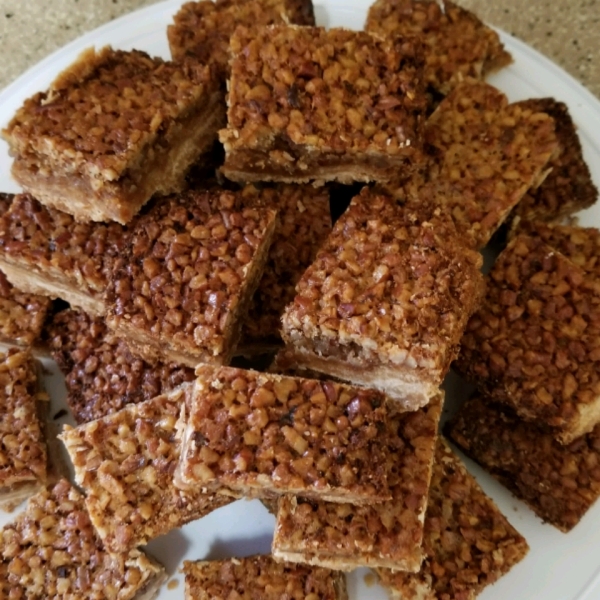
559, 566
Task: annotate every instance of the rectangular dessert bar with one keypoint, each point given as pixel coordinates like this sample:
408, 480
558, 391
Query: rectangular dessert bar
457, 44
468, 543
569, 186
559, 482
260, 577
387, 534
114, 129
45, 251
23, 451
259, 433
307, 104
534, 343
303, 223
52, 552
185, 280
386, 301
485, 154
101, 373
124, 463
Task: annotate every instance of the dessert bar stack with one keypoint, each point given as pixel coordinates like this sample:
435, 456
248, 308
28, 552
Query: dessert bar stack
171, 272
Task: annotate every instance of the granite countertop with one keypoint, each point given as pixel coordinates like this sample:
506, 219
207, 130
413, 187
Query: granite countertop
564, 30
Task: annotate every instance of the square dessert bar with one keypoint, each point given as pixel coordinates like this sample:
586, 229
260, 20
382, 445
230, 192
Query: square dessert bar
457, 44
185, 280
559, 482
23, 406
387, 534
124, 463
260, 434
202, 30
535, 342
45, 251
468, 543
113, 129
52, 552
569, 186
260, 577
306, 104
102, 375
485, 155
303, 223
387, 299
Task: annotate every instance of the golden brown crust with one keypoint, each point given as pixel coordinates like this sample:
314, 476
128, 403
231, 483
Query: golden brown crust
57, 250
52, 552
260, 433
187, 275
569, 186
468, 542
534, 343
303, 223
390, 291
102, 375
23, 454
388, 534
102, 123
457, 44
297, 109
260, 577
125, 463
558, 482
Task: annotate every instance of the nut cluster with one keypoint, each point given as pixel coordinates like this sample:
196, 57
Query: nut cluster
261, 577
52, 551
487, 155
468, 542
569, 186
386, 534
303, 223
457, 44
339, 91
22, 446
259, 433
391, 285
125, 462
559, 482
535, 342
53, 243
102, 374
102, 110
189, 265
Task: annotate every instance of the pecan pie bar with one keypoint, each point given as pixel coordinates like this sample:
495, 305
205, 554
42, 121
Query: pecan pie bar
386, 301
387, 534
260, 433
260, 577
485, 155
45, 251
304, 221
23, 452
51, 552
113, 129
102, 375
124, 463
535, 342
569, 186
306, 104
457, 44
186, 278
468, 542
559, 482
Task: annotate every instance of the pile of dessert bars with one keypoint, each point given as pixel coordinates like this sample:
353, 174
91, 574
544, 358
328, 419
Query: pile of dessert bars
175, 228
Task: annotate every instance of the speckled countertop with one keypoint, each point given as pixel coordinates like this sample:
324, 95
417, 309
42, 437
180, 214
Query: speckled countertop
564, 30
